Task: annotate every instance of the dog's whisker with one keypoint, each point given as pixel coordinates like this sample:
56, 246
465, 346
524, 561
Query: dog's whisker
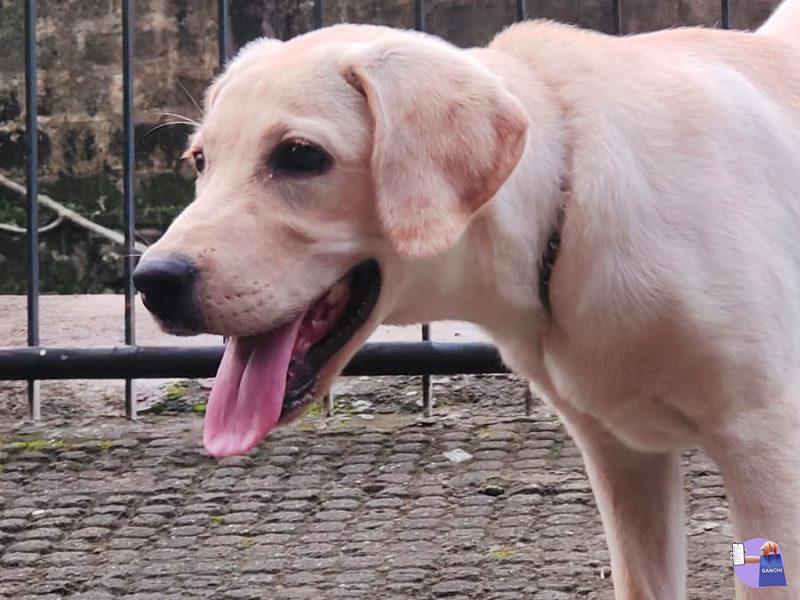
183, 118
196, 104
168, 124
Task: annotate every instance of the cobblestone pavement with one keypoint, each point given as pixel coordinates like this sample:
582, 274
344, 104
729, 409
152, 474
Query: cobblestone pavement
364, 505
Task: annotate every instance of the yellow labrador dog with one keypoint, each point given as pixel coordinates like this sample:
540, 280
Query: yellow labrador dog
621, 214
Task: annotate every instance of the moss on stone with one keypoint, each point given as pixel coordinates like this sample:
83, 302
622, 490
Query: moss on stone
72, 259
501, 553
104, 445
315, 410
160, 198
175, 391
36, 444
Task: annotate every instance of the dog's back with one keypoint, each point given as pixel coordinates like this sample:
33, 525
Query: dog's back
785, 21
770, 61
769, 58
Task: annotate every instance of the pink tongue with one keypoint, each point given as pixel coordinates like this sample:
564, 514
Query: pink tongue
247, 397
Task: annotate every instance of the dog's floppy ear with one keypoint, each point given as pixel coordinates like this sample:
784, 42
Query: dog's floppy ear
447, 134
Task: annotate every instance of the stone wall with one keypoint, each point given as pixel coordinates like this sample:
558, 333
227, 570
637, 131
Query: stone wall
176, 56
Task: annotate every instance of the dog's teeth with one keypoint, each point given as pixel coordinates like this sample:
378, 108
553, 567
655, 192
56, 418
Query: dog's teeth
336, 293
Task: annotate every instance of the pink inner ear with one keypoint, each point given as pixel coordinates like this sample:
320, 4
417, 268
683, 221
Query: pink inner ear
510, 138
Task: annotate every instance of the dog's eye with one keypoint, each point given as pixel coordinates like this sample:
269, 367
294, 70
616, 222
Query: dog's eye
298, 157
199, 160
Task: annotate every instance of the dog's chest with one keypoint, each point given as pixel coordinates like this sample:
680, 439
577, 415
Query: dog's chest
637, 406
646, 397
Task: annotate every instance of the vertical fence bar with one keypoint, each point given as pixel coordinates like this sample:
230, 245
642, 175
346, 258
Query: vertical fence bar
128, 192
329, 401
32, 194
427, 395
529, 402
419, 15
427, 385
223, 38
330, 398
522, 14
224, 49
319, 8
616, 16
726, 14
521, 10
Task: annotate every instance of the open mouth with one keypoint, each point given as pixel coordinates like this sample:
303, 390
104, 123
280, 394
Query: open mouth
269, 378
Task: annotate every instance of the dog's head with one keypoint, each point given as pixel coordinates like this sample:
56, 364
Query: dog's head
326, 165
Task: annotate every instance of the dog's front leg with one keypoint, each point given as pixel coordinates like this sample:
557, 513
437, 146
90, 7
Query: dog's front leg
640, 497
760, 465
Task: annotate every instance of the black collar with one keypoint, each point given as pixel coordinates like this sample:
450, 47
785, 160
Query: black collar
548, 260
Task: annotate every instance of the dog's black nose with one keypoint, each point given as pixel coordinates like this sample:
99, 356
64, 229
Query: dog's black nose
166, 284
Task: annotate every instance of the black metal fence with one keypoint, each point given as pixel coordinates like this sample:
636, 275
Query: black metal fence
130, 361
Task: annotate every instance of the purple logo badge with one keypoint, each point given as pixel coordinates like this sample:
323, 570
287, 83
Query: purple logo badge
758, 563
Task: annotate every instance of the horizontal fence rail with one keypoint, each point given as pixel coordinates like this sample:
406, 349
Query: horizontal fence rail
130, 361
153, 362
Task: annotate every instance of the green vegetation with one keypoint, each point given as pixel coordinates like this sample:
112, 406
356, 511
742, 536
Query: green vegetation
316, 410
175, 391
501, 552
36, 444
104, 445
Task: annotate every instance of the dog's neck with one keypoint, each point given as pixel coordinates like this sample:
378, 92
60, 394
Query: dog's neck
498, 275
